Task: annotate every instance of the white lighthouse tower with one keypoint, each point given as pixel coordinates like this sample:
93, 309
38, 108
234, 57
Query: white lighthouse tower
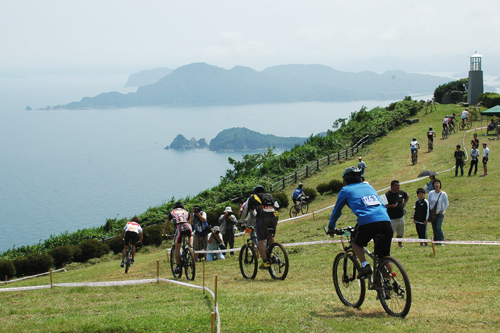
475, 79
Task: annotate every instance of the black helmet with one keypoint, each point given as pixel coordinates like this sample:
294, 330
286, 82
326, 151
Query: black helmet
430, 128
179, 204
259, 189
352, 174
300, 184
135, 219
414, 139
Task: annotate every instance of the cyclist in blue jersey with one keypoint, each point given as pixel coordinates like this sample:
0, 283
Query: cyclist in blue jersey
372, 219
298, 194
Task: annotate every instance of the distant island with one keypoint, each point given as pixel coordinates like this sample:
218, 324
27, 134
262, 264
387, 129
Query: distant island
237, 139
203, 84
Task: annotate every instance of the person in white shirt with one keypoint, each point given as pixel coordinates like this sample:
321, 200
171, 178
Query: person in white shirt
440, 199
486, 154
465, 115
474, 155
214, 240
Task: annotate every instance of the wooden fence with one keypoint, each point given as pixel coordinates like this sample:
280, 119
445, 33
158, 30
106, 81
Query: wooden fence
315, 166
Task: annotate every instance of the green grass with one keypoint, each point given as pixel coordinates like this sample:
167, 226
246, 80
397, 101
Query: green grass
456, 290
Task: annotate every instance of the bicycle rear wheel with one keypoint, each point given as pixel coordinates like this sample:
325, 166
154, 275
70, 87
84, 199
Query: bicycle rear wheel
189, 263
128, 259
278, 258
393, 287
349, 288
444, 134
454, 128
462, 126
248, 262
173, 264
469, 124
304, 208
293, 212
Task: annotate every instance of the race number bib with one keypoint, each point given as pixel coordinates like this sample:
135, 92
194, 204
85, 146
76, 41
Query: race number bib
132, 228
370, 200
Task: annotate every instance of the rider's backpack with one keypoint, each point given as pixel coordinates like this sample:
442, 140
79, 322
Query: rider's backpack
264, 205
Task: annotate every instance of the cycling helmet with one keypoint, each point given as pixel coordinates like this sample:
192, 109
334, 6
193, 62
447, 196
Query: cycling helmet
414, 139
135, 219
352, 174
300, 184
430, 128
259, 189
179, 204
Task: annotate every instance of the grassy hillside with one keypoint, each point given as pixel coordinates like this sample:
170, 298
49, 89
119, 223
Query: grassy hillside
457, 290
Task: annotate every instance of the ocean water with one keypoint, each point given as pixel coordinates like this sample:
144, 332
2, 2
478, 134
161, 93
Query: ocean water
67, 170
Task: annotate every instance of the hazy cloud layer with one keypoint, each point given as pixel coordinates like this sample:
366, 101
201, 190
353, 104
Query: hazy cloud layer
147, 34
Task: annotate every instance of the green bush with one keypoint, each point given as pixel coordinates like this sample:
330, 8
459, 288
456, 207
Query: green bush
322, 188
33, 264
92, 248
22, 266
116, 244
62, 254
152, 235
77, 253
282, 199
8, 269
311, 193
335, 185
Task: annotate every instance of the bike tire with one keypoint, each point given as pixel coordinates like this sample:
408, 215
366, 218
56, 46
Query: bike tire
278, 258
304, 208
350, 290
248, 262
189, 264
293, 212
454, 128
128, 260
444, 135
469, 124
462, 126
395, 294
173, 264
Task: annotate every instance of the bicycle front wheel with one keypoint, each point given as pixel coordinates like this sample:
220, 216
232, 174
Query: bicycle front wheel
462, 126
278, 258
248, 262
304, 208
454, 128
393, 287
189, 263
128, 260
173, 264
444, 135
293, 212
469, 124
349, 288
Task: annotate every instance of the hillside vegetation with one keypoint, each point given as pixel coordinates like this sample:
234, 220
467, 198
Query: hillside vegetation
455, 291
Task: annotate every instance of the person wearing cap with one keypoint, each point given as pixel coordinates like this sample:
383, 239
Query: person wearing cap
297, 195
486, 154
214, 240
372, 218
130, 233
362, 166
227, 222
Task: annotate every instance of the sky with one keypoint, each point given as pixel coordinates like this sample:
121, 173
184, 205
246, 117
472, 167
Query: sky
131, 35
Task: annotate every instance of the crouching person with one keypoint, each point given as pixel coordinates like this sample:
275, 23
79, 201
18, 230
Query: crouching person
214, 241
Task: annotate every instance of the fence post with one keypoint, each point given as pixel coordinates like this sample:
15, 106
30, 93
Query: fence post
51, 280
296, 176
271, 188
346, 152
317, 165
328, 159
157, 271
307, 171
338, 156
283, 182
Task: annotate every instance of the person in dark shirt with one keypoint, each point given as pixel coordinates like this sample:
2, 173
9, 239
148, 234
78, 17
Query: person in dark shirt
396, 202
421, 215
459, 161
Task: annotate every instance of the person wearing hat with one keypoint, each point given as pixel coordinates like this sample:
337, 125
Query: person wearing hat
486, 154
214, 240
362, 166
227, 222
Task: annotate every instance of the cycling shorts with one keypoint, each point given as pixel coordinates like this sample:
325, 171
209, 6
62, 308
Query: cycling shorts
363, 234
131, 237
179, 233
262, 232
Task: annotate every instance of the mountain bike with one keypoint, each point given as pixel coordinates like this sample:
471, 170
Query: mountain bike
301, 206
430, 145
128, 256
249, 258
389, 279
445, 133
466, 124
414, 156
453, 128
187, 260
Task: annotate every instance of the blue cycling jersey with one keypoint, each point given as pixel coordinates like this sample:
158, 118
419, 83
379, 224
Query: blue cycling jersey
364, 202
298, 191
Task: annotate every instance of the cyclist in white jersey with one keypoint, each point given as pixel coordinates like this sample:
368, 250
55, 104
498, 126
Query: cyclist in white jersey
414, 146
130, 233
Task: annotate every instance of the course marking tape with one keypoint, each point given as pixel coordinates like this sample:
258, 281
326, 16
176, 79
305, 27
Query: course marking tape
37, 275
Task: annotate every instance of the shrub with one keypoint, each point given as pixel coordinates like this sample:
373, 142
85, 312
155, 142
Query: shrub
21, 265
323, 188
115, 244
152, 235
62, 254
77, 253
7, 268
282, 199
33, 264
92, 248
311, 193
335, 185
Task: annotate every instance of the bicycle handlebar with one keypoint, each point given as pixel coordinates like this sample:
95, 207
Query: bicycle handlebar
167, 236
341, 231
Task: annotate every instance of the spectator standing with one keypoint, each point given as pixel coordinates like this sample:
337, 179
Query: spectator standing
439, 199
475, 141
214, 240
227, 222
200, 230
474, 156
362, 166
459, 160
486, 154
430, 185
421, 215
396, 202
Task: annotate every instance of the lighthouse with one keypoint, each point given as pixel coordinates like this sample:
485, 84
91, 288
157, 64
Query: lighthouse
475, 79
